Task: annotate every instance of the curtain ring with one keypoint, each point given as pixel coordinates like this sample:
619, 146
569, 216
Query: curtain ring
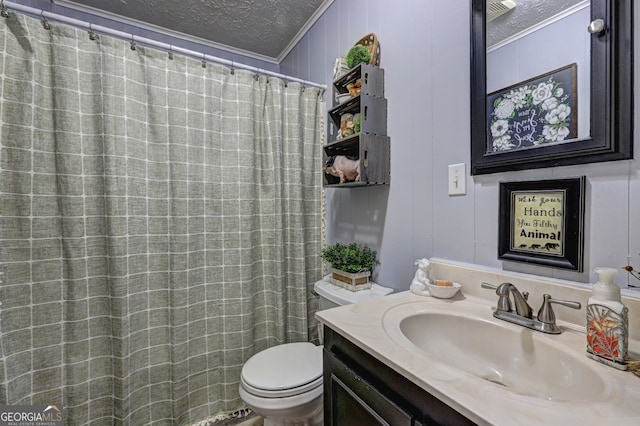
3, 10
132, 46
170, 53
204, 60
233, 70
45, 24
92, 34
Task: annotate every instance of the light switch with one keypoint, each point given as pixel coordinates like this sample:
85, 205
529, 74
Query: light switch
457, 179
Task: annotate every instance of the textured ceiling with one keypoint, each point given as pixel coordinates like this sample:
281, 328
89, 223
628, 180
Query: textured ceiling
526, 14
262, 28
267, 29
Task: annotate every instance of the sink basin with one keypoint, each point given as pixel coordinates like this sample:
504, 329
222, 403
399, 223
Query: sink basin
513, 358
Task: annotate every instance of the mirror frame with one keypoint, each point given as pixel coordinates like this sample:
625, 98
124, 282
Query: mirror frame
611, 110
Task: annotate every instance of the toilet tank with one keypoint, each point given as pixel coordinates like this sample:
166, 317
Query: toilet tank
331, 296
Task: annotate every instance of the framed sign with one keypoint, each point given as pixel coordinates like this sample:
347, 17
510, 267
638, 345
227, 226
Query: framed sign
534, 113
542, 222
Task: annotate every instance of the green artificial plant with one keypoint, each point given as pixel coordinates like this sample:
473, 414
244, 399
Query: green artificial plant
358, 54
352, 258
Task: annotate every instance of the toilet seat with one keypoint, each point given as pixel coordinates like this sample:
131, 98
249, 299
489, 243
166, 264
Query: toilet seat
283, 370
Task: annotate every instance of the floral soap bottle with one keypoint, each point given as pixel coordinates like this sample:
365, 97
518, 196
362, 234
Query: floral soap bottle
607, 322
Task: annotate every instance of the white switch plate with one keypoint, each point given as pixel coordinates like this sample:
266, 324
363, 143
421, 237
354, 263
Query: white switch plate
457, 179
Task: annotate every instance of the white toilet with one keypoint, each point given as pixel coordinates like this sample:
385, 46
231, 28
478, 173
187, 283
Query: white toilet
283, 384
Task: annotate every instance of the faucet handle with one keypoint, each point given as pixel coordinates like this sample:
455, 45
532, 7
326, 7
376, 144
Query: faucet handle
546, 314
488, 286
502, 289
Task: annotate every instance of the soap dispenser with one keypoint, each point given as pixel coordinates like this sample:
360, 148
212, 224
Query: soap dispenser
607, 322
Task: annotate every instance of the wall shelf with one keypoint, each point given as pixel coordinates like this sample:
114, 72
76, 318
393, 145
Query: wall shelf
373, 152
370, 145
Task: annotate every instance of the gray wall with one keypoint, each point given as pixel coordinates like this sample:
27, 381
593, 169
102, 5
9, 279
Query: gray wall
425, 54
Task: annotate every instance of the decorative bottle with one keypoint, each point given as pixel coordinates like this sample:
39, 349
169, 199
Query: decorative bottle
607, 322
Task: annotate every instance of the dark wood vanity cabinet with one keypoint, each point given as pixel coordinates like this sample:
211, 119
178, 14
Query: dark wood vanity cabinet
359, 390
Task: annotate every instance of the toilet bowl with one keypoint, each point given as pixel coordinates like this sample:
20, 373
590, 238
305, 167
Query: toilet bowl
283, 384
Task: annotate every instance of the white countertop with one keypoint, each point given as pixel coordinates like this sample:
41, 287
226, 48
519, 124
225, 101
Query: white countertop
480, 400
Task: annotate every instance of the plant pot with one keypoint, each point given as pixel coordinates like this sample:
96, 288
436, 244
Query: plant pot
353, 282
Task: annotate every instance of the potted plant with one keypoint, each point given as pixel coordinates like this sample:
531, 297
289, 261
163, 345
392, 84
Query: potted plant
358, 54
351, 265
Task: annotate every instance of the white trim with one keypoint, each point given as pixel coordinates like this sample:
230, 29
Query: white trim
310, 23
555, 18
154, 43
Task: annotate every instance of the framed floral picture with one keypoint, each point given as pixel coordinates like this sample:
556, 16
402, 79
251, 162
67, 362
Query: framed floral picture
534, 113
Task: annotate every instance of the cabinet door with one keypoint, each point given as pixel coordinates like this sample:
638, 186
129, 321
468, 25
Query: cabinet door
353, 402
360, 390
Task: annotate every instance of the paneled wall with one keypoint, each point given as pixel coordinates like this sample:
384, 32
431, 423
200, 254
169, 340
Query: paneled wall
425, 54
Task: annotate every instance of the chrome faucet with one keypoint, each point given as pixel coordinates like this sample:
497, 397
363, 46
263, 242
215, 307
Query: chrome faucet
545, 321
519, 299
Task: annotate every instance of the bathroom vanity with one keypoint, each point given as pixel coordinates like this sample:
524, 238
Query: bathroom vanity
361, 390
412, 360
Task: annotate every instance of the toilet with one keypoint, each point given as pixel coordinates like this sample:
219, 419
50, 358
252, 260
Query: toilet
283, 384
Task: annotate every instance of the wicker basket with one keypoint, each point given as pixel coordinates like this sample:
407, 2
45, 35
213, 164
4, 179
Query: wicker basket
370, 41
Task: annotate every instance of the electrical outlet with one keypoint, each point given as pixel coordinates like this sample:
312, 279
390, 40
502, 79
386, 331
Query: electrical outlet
457, 179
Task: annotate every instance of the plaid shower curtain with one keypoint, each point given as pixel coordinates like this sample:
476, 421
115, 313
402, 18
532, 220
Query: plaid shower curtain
160, 222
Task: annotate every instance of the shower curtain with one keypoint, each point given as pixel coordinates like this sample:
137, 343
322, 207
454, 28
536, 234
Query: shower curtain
160, 222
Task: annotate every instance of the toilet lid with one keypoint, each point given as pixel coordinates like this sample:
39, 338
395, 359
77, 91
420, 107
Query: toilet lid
293, 367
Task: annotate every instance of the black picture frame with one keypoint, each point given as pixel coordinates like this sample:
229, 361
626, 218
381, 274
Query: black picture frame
524, 124
611, 98
542, 222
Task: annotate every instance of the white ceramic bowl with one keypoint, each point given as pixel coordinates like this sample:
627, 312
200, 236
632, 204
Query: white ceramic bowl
444, 292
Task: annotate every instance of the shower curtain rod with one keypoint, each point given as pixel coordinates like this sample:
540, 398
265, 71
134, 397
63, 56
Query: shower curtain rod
153, 43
